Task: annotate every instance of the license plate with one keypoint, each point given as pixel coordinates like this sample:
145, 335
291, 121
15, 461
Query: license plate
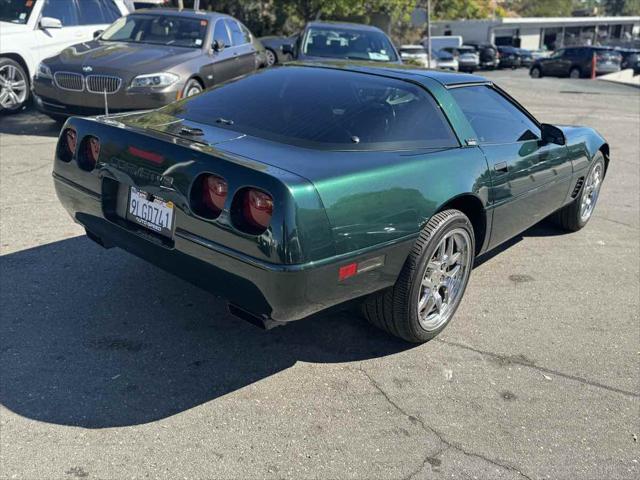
151, 212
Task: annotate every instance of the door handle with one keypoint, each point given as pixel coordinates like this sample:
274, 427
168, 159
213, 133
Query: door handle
501, 167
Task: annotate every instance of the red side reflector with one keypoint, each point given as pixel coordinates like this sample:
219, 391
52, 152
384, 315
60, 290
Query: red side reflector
152, 157
347, 271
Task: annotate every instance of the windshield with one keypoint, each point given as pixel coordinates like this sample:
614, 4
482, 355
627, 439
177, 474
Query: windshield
351, 44
158, 30
413, 50
16, 11
322, 108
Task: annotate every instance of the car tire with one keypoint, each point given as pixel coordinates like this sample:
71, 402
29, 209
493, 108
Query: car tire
404, 309
13, 98
272, 59
575, 72
535, 72
192, 87
577, 214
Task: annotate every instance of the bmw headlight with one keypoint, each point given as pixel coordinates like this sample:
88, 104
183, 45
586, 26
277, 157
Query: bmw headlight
43, 71
154, 80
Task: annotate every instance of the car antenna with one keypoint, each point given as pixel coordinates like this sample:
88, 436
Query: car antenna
106, 104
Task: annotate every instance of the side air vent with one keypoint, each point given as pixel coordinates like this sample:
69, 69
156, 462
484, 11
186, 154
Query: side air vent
577, 188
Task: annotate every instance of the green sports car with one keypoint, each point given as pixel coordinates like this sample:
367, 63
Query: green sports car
304, 187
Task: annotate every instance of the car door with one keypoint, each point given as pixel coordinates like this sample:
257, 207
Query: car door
52, 41
530, 179
553, 64
243, 51
221, 63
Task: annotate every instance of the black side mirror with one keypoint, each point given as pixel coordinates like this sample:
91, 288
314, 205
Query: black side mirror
287, 48
552, 134
97, 33
218, 46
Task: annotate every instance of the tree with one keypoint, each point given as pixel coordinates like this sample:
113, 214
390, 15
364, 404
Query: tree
622, 7
541, 8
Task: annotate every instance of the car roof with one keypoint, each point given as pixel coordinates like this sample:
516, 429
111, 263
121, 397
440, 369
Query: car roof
175, 12
345, 25
401, 72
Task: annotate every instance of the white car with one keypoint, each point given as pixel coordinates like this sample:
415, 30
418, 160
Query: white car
418, 55
32, 30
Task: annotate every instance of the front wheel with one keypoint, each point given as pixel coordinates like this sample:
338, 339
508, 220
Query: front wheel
576, 215
192, 88
535, 72
575, 73
271, 57
432, 281
14, 86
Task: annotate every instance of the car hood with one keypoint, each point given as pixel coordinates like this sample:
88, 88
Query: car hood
121, 57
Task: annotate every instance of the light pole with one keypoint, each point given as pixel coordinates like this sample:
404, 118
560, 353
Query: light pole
428, 33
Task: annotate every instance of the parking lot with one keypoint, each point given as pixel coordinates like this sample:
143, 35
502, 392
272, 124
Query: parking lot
111, 368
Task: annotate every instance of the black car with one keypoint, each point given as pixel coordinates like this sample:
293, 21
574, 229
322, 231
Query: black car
488, 54
577, 62
145, 60
509, 57
526, 57
630, 59
326, 40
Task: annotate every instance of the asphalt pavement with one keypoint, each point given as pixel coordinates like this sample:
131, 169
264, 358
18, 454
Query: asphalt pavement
112, 368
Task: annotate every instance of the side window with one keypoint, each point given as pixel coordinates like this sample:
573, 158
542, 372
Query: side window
220, 33
237, 37
246, 33
91, 12
557, 54
493, 117
63, 11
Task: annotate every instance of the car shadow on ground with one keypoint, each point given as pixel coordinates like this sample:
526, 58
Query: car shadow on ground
98, 338
29, 122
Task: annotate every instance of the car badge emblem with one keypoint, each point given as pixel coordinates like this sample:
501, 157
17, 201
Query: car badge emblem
87, 69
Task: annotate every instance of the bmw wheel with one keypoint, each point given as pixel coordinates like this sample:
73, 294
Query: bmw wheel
192, 88
14, 86
271, 57
432, 282
576, 215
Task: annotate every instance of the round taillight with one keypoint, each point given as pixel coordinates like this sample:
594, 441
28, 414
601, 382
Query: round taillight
89, 153
67, 144
257, 209
214, 193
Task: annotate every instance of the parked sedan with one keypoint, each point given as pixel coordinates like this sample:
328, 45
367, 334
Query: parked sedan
320, 41
526, 57
145, 60
467, 57
509, 57
418, 55
303, 187
576, 62
446, 61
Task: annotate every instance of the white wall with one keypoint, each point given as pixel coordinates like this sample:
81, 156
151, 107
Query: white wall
530, 38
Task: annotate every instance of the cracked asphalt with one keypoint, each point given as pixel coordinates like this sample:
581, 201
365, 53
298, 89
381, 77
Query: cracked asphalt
111, 368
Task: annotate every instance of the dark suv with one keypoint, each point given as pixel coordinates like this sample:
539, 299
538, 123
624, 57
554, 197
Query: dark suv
488, 54
576, 62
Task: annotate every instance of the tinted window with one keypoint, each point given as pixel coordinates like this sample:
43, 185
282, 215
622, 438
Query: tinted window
220, 33
323, 108
110, 11
246, 33
63, 11
94, 12
494, 118
158, 30
15, 11
237, 37
351, 44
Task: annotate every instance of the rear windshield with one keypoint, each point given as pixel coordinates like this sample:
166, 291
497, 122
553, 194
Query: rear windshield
323, 108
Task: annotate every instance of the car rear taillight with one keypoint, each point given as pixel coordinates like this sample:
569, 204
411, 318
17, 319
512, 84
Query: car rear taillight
67, 145
257, 208
214, 192
209, 195
89, 153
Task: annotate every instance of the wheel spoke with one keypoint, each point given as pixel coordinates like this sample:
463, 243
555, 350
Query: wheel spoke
453, 272
438, 300
19, 85
454, 259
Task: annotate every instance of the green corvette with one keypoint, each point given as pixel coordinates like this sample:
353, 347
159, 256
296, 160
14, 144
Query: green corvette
304, 187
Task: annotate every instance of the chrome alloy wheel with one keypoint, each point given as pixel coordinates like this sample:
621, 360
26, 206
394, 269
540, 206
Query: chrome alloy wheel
591, 191
13, 87
271, 58
444, 279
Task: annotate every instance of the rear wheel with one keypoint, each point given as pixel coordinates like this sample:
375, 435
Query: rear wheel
271, 58
14, 86
535, 72
577, 214
432, 282
575, 73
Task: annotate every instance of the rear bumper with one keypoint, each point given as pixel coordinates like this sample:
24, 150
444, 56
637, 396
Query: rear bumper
272, 292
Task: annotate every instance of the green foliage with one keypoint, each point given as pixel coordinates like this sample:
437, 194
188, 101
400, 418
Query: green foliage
622, 7
461, 9
541, 8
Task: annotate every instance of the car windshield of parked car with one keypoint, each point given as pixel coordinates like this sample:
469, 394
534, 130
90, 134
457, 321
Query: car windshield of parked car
323, 108
16, 11
413, 51
443, 55
348, 43
158, 30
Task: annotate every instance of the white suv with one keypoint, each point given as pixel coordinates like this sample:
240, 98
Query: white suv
32, 30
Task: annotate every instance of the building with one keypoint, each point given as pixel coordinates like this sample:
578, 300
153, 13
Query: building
544, 33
